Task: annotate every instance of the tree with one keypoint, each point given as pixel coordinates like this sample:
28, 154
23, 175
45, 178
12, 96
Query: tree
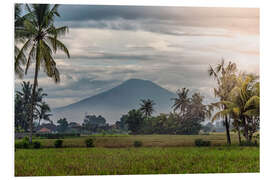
43, 113
20, 114
94, 123
23, 105
20, 36
147, 107
122, 124
182, 101
63, 125
135, 120
226, 81
42, 41
243, 105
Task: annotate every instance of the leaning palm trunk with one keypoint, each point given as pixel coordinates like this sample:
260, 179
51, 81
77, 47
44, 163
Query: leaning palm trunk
33, 101
227, 125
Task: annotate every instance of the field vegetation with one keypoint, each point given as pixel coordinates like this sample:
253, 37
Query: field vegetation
155, 160
121, 141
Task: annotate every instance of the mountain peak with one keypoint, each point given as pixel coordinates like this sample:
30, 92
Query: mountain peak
135, 80
112, 104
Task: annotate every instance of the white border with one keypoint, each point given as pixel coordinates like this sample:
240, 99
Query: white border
7, 85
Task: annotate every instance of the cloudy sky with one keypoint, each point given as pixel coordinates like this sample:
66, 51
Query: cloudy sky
171, 46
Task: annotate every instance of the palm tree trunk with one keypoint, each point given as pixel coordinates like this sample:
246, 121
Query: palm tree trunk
227, 125
238, 131
246, 129
239, 135
33, 102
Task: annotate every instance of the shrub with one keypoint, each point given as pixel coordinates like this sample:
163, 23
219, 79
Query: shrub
137, 144
22, 144
18, 145
57, 135
200, 142
89, 142
36, 144
249, 143
58, 143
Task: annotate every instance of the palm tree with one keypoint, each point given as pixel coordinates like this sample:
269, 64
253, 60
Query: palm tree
147, 107
243, 106
23, 104
20, 36
43, 113
182, 101
41, 43
197, 108
226, 81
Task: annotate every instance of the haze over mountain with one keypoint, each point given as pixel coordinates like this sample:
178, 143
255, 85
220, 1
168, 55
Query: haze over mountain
112, 104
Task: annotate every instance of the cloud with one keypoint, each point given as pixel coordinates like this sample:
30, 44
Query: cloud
160, 19
172, 47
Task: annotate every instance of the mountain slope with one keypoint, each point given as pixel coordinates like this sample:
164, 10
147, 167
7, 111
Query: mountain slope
117, 101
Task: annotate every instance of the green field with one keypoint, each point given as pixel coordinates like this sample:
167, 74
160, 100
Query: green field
154, 160
120, 141
161, 154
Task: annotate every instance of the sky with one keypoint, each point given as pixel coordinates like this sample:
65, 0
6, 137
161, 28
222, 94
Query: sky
171, 46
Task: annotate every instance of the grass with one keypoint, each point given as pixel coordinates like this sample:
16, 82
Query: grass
153, 160
121, 141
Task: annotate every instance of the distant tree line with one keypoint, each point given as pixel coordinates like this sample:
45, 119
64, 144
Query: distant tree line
186, 118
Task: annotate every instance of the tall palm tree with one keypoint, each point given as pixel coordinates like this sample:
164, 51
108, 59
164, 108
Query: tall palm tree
226, 81
182, 101
20, 36
41, 43
147, 107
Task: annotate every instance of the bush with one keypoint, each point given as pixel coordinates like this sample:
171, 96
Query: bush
36, 144
200, 142
89, 142
23, 144
137, 144
248, 143
58, 143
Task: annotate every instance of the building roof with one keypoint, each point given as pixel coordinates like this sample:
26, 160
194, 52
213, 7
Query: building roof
44, 130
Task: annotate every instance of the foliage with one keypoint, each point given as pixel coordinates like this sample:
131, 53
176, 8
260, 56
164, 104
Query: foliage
243, 105
89, 142
200, 142
181, 103
57, 135
23, 106
135, 120
95, 124
225, 77
36, 144
24, 143
147, 107
63, 125
40, 43
137, 143
122, 124
58, 143
249, 143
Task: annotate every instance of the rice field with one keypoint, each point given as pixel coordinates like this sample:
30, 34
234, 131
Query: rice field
145, 160
123, 141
